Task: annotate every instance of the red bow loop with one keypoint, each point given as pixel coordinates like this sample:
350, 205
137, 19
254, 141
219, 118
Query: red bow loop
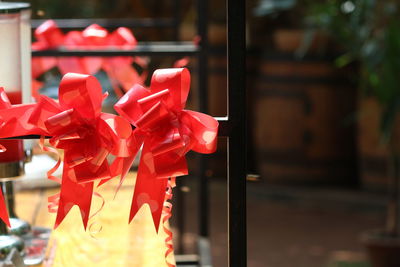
203, 131
177, 80
128, 106
122, 37
45, 108
77, 125
49, 35
74, 39
95, 36
82, 93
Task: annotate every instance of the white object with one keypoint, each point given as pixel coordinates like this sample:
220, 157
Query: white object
36, 173
26, 58
10, 70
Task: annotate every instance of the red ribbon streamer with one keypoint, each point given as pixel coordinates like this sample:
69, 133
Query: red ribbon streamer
167, 212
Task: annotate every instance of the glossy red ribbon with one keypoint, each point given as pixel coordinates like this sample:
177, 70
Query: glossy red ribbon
13, 122
168, 132
87, 137
118, 69
76, 124
4, 104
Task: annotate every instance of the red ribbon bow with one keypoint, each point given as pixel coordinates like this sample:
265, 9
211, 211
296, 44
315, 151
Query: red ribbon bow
165, 129
87, 137
77, 126
167, 132
119, 69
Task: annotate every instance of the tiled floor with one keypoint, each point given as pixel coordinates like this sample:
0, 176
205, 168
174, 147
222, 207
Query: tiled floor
292, 226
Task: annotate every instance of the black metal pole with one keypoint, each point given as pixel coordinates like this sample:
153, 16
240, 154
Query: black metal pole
180, 195
202, 18
237, 238
3, 227
142, 49
77, 24
8, 189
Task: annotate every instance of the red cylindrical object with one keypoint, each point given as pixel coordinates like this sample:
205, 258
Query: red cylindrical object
15, 148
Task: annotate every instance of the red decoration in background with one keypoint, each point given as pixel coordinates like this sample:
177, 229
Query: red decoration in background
119, 69
48, 36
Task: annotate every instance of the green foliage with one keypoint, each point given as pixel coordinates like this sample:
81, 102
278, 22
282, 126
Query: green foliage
369, 33
268, 7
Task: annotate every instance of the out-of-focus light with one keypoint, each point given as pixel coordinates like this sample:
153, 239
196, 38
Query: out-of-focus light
348, 7
40, 13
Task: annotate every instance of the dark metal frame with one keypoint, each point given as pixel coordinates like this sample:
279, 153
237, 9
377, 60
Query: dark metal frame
233, 126
237, 136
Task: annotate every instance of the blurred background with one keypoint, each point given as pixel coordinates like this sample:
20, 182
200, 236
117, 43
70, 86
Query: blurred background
323, 98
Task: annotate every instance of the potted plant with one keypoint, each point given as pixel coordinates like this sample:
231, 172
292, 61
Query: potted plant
369, 33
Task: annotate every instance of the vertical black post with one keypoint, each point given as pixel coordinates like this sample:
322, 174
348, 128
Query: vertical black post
180, 195
3, 227
8, 188
202, 30
237, 139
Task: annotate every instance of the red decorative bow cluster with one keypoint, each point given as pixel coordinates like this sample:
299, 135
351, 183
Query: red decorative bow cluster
87, 137
168, 132
118, 69
76, 125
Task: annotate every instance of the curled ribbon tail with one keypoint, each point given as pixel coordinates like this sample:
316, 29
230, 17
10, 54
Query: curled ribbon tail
50, 172
52, 203
91, 226
167, 213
